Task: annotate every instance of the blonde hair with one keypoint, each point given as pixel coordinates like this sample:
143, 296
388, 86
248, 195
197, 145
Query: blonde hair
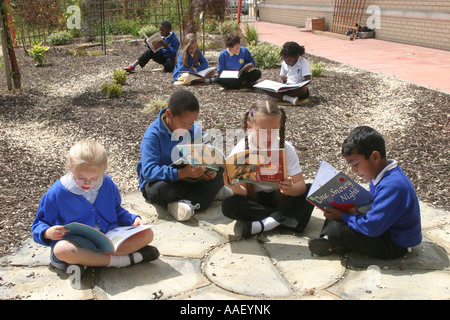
188, 40
89, 153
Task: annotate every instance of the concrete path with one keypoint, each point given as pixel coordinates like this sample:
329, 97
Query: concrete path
420, 65
201, 259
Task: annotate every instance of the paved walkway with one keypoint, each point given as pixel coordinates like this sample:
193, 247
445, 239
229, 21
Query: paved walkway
203, 260
421, 65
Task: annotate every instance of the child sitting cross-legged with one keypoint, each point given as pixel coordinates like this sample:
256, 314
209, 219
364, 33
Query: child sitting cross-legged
167, 185
393, 223
87, 195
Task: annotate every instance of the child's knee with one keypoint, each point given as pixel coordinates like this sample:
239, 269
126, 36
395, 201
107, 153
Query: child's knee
64, 250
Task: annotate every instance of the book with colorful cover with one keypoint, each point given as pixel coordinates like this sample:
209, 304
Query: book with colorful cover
274, 86
109, 241
154, 42
249, 166
333, 188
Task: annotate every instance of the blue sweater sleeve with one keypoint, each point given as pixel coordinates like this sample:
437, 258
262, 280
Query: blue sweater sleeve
203, 63
221, 63
174, 45
248, 58
151, 169
386, 207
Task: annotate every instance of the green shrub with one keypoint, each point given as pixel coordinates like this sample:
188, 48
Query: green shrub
38, 53
229, 26
120, 76
60, 38
111, 90
147, 31
212, 27
122, 26
266, 55
250, 34
317, 69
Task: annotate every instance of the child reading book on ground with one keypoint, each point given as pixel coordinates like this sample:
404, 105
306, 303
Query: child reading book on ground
235, 57
294, 69
165, 56
190, 59
393, 223
87, 195
167, 185
260, 207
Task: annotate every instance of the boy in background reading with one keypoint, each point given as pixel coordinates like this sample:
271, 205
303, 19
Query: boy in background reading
393, 223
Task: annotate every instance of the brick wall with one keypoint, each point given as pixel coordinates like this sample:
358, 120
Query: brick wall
425, 23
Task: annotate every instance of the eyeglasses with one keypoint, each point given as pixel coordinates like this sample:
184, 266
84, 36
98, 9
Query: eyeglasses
86, 181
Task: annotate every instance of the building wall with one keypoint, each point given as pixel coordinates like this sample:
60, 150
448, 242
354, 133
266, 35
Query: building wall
425, 23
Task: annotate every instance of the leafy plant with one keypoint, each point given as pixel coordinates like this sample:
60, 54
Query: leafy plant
111, 90
120, 76
38, 53
60, 38
229, 26
250, 34
148, 31
317, 69
266, 55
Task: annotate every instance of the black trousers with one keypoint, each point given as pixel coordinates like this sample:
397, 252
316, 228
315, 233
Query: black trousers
293, 212
158, 57
249, 78
342, 236
201, 192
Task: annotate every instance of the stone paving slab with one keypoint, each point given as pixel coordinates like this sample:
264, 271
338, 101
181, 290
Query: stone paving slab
203, 259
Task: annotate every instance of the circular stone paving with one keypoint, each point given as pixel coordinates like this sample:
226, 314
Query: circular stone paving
278, 266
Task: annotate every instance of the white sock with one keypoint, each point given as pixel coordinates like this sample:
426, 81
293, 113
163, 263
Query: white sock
269, 224
289, 99
123, 261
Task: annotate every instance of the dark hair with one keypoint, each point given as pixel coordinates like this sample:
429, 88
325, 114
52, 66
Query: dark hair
231, 39
181, 101
292, 49
364, 140
166, 23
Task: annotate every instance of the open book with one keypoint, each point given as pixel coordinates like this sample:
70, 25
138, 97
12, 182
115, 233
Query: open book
187, 77
235, 74
109, 241
333, 188
154, 42
274, 86
249, 166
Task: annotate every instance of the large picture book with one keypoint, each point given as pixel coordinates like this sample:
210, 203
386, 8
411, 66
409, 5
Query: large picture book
154, 42
187, 77
249, 166
109, 241
333, 188
274, 86
236, 74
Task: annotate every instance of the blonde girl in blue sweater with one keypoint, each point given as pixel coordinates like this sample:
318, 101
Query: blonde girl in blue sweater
87, 195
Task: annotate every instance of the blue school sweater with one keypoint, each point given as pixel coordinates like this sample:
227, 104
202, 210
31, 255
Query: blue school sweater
180, 67
157, 147
173, 43
234, 62
59, 206
395, 209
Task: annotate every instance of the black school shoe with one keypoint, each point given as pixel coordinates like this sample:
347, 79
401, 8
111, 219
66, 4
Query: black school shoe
149, 253
321, 247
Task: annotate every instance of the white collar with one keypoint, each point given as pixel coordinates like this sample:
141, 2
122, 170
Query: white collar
392, 164
70, 184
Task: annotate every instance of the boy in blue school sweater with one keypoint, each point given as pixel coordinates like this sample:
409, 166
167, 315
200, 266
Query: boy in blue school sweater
234, 57
164, 184
393, 223
165, 56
